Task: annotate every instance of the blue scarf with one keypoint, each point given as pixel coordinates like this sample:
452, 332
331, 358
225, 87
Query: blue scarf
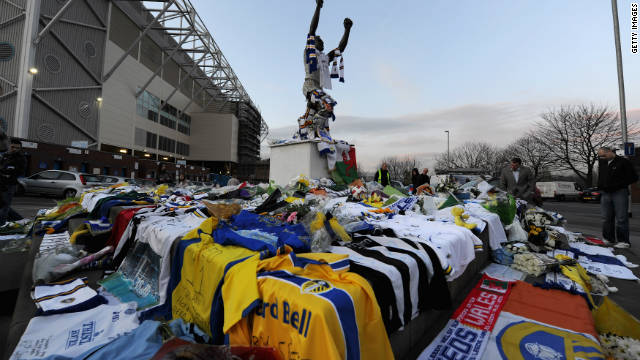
311, 55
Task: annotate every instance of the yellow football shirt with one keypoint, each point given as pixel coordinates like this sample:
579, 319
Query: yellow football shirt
305, 309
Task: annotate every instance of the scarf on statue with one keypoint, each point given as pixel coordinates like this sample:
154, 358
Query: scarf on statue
337, 72
311, 55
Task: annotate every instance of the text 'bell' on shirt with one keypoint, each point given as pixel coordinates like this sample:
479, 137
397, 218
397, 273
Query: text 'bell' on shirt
304, 308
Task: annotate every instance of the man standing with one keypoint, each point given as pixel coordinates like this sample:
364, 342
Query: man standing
12, 165
615, 174
382, 176
425, 178
518, 180
318, 77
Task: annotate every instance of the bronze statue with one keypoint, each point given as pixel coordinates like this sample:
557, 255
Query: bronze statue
318, 77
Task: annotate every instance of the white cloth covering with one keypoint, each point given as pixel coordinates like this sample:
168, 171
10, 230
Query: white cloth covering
497, 236
69, 335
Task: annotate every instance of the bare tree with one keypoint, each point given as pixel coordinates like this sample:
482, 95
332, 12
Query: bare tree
533, 152
573, 135
400, 168
473, 155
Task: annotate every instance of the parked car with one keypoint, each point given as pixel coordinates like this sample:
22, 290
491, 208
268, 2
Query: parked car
57, 183
590, 194
559, 190
141, 182
112, 180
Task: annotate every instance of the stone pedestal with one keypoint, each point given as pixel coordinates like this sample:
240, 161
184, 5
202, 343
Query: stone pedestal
290, 160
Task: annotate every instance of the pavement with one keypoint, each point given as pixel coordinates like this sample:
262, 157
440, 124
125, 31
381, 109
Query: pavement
27, 206
581, 217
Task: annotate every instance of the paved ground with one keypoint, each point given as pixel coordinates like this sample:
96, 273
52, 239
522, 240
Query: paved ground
28, 206
585, 218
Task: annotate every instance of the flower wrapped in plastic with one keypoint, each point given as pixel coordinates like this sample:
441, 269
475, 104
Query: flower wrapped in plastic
504, 205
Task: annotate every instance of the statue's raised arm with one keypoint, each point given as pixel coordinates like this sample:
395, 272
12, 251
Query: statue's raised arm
345, 38
316, 17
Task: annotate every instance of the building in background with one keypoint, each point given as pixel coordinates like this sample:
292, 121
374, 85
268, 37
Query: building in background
141, 80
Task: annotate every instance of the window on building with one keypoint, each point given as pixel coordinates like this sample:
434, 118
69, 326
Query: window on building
167, 121
166, 144
184, 124
182, 149
152, 115
152, 140
148, 105
140, 137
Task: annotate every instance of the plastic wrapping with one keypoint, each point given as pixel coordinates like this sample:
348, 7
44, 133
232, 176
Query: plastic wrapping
324, 229
515, 232
504, 206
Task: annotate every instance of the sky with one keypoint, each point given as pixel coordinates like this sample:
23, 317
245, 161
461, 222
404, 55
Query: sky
484, 70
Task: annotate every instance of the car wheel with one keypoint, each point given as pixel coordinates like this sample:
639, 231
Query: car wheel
69, 193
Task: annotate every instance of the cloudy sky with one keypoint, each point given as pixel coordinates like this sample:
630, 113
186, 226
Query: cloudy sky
484, 70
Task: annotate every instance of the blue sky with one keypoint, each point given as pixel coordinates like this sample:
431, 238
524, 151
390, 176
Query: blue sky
483, 69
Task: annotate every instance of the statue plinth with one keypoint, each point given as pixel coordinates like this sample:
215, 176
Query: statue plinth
290, 160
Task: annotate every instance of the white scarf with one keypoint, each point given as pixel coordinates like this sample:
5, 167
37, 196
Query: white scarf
337, 72
323, 69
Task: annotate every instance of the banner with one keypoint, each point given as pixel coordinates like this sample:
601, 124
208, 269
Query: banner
466, 335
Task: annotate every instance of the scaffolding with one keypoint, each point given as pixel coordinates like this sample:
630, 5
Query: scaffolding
178, 29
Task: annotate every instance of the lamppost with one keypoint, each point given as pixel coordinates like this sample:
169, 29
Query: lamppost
448, 154
623, 109
616, 33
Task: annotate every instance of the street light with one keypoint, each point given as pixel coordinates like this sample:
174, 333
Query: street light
623, 107
448, 154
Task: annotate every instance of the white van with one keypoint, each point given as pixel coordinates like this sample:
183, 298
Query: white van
559, 190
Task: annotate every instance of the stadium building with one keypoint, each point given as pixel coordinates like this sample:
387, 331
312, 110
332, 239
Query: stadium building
117, 87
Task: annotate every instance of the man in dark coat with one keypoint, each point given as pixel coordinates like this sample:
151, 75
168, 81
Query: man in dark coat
12, 165
615, 174
518, 180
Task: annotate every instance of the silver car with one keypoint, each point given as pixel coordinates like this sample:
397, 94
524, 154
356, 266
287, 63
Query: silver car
112, 180
58, 183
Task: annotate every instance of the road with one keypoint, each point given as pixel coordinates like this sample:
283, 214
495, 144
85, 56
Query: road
585, 218
28, 206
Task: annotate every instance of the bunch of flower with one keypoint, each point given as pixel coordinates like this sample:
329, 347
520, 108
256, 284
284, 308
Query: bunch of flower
516, 248
620, 347
533, 264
